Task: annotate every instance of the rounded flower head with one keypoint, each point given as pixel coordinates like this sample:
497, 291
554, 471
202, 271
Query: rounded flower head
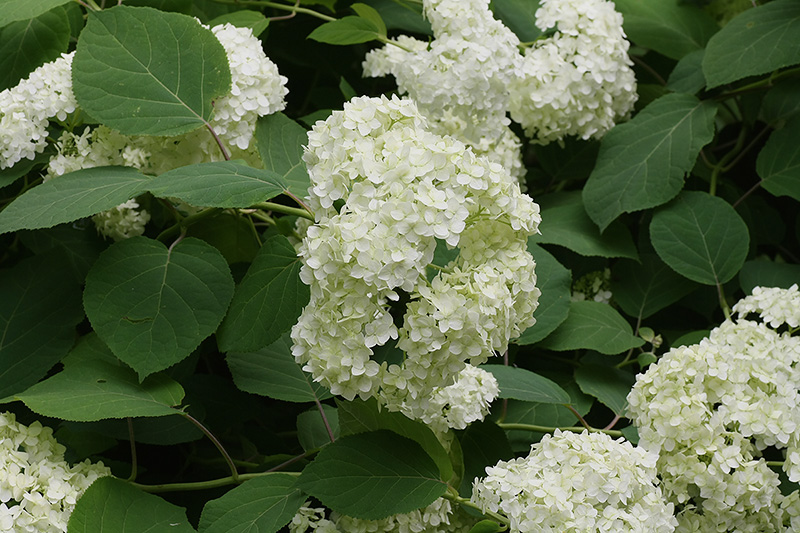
575, 483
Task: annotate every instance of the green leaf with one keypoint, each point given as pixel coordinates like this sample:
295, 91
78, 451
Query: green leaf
72, 196
153, 305
22, 167
642, 163
28, 44
111, 505
781, 102
369, 13
14, 10
642, 289
347, 30
592, 326
483, 444
758, 41
608, 384
687, 76
487, 526
521, 384
762, 273
311, 430
555, 282
268, 300
95, 386
244, 18
259, 505
778, 163
358, 416
519, 16
222, 184
147, 72
78, 245
700, 237
273, 372
280, 144
565, 222
39, 310
373, 475
670, 27
229, 233
403, 15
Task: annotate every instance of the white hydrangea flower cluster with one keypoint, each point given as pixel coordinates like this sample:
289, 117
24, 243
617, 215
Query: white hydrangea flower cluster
459, 404
775, 305
460, 79
38, 489
257, 88
574, 482
709, 409
399, 188
579, 81
25, 110
594, 286
122, 222
313, 519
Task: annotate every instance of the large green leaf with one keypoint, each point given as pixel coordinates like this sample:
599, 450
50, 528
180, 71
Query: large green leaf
519, 16
244, 18
311, 429
700, 237
670, 27
78, 245
27, 44
756, 42
359, 416
608, 384
642, 163
14, 10
148, 72
762, 273
554, 281
111, 505
153, 305
592, 326
280, 144
346, 30
565, 222
39, 310
72, 196
521, 384
483, 444
273, 372
221, 184
373, 475
687, 76
778, 163
782, 101
403, 15
259, 505
268, 300
94, 385
642, 289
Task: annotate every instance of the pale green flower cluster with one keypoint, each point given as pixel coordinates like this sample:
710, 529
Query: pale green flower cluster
710, 409
594, 286
38, 488
122, 222
574, 483
384, 190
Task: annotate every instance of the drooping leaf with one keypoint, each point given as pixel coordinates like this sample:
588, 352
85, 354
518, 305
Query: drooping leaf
28, 44
782, 101
370, 14
592, 326
642, 163
111, 505
483, 444
244, 18
608, 384
373, 475
761, 273
670, 27
268, 300
554, 281
403, 15
755, 42
220, 184
142, 71
519, 16
39, 310
700, 237
359, 416
642, 289
273, 372
153, 305
565, 222
259, 505
230, 233
346, 30
78, 244
14, 10
280, 144
521, 384
94, 386
72, 196
687, 76
487, 526
778, 163
22, 167
311, 430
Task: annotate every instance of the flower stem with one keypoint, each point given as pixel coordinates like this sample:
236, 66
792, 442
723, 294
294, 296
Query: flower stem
453, 496
285, 209
234, 473
550, 429
202, 485
292, 8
